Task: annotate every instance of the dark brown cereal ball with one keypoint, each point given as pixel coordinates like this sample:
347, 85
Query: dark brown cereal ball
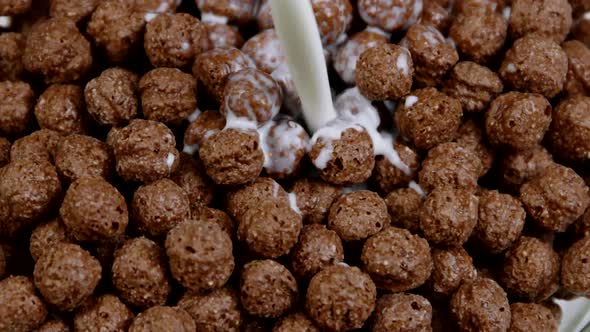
314, 198
452, 267
569, 137
145, 151
206, 124
340, 297
471, 136
403, 205
11, 52
518, 120
481, 305
575, 268
428, 117
56, 50
346, 56
475, 86
39, 145
556, 197
530, 267
358, 215
388, 16
80, 156
191, 177
106, 312
116, 29
434, 14
318, 247
265, 50
448, 216
287, 143
232, 156
61, 108
139, 273
45, 236
213, 67
520, 166
254, 194
432, 55
535, 64
74, 10
2, 262
94, 211
16, 110
22, 310
402, 312
226, 223
66, 276
581, 31
200, 254
5, 146
549, 18
333, 17
216, 311
14, 7
531, 317
235, 11
578, 73
155, 7
267, 288
111, 97
387, 177
223, 36
163, 319
295, 322
54, 325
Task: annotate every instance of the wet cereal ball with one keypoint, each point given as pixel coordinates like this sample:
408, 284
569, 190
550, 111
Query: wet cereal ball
387, 177
569, 137
432, 55
61, 108
388, 16
287, 143
333, 17
4, 151
346, 56
340, 297
531, 317
295, 322
145, 151
56, 50
54, 325
213, 67
530, 269
206, 124
265, 50
264, 18
475, 86
80, 156
232, 156
578, 74
200, 254
163, 319
403, 205
575, 268
402, 312
67, 275
428, 117
234, 11
111, 97
216, 311
518, 120
436, 15
555, 198
22, 310
223, 36
45, 236
74, 10
14, 7
481, 305
314, 198
16, 110
452, 267
549, 18
535, 64
116, 29
448, 216
191, 177
254, 194
358, 215
471, 137
40, 145
267, 288
104, 313
11, 52
501, 220
518, 167
140, 273
318, 247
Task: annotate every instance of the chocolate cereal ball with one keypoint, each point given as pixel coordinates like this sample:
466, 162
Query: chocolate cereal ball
204, 125
111, 97
535, 64
267, 288
54, 325
22, 309
575, 267
531, 317
16, 110
80, 156
287, 143
45, 236
314, 198
168, 95
67, 275
570, 139
74, 10
61, 108
333, 18
163, 319
436, 15
235, 11
11, 52
549, 18
4, 152
578, 73
223, 36
451, 268
139, 273
388, 16
56, 50
346, 56
475, 86
340, 297
40, 145
403, 205
318, 247
106, 312
402, 312
191, 177
226, 223
555, 198
482, 306
254, 194
358, 215
520, 166
471, 137
216, 311
295, 322
15, 7
387, 177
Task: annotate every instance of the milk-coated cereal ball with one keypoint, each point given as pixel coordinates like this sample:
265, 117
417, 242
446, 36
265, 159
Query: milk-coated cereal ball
358, 215
287, 144
265, 50
570, 139
39, 145
223, 36
578, 73
191, 177
314, 198
16, 110
403, 205
75, 10
402, 312
106, 312
163, 319
451, 268
22, 309
204, 125
111, 98
218, 310
79, 156
45, 236
333, 18
61, 108
388, 16
531, 317
474, 85
549, 18
346, 56
11, 53
235, 11
318, 247
517, 167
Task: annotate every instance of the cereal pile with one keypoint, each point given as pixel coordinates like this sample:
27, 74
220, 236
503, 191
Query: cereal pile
156, 173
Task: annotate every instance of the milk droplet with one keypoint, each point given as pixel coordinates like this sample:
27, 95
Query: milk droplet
293, 203
170, 160
410, 101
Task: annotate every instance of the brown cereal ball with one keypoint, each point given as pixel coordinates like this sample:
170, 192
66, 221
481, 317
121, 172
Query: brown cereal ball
471, 136
578, 74
235, 11
428, 117
318, 247
556, 197
191, 177
448, 216
11, 52
520, 166
295, 322
206, 124
140, 274
104, 313
45, 236
436, 15
61, 108
481, 305
223, 36
346, 56
54, 325
163, 319
530, 268
402, 312
581, 30
452, 267
80, 156
358, 215
232, 156
475, 86
569, 137
254, 194
22, 310
388, 16
387, 177
14, 7
265, 50
155, 7
314, 198
56, 50
94, 211
16, 110
200, 254
67, 275
432, 55
286, 146
75, 10
4, 151
213, 67
145, 151
267, 288
333, 17
111, 97
116, 29
340, 297
575, 268
549, 18
216, 311
531, 317
40, 145
403, 205
264, 18
535, 64
226, 223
